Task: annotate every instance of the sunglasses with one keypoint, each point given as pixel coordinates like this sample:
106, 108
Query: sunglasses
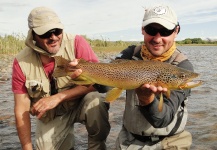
48, 34
163, 31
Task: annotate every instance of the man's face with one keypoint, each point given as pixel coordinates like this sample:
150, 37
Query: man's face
158, 44
50, 43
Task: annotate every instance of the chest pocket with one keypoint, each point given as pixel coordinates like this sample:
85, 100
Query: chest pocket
36, 88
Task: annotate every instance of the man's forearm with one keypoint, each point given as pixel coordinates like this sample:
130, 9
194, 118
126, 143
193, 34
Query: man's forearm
75, 93
23, 125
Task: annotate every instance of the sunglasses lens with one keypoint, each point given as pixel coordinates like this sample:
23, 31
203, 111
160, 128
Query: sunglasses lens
153, 31
166, 32
150, 30
48, 34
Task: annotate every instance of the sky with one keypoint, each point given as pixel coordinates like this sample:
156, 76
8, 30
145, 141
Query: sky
111, 20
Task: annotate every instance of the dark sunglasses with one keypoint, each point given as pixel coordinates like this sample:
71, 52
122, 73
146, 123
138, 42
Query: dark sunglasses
48, 34
153, 31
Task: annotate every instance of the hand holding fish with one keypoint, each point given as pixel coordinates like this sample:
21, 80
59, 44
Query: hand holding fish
128, 74
146, 93
77, 72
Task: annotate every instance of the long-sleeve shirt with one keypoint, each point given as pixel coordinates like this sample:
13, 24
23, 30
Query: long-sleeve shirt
160, 119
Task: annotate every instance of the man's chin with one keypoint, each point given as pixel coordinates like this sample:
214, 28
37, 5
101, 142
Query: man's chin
53, 50
156, 52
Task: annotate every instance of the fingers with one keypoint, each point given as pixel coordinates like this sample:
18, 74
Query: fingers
154, 88
76, 73
74, 62
39, 109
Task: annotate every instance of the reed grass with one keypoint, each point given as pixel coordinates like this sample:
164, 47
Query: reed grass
12, 44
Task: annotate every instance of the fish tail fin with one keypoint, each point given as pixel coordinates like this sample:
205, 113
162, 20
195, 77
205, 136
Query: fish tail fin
60, 67
60, 61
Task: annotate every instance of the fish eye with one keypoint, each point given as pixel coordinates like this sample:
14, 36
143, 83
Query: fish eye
182, 75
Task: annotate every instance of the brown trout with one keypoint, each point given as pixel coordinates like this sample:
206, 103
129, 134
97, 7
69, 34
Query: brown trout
128, 74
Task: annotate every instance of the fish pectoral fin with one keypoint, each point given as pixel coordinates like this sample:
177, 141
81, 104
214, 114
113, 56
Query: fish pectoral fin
113, 94
160, 105
167, 93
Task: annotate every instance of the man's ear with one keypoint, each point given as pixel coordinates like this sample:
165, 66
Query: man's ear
178, 27
143, 31
33, 35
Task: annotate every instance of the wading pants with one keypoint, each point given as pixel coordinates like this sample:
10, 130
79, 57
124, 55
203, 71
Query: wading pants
126, 141
58, 133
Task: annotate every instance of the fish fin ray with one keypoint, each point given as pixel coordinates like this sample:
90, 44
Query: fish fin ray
81, 81
160, 105
60, 70
168, 93
113, 94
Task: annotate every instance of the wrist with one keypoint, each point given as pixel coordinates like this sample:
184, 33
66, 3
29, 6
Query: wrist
27, 147
143, 101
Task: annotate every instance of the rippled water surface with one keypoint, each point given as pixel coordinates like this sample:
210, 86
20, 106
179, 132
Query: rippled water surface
202, 121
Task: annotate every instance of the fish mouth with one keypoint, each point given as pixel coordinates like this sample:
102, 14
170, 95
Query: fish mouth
190, 84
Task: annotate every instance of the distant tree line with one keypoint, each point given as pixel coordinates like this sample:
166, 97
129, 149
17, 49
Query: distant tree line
12, 44
196, 41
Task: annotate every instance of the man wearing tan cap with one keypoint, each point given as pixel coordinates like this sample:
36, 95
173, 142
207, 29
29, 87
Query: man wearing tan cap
56, 102
150, 129
144, 126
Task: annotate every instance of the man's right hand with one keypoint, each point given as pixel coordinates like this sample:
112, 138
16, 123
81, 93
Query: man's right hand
77, 72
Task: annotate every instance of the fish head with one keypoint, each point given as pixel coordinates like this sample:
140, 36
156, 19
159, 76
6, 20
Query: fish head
182, 79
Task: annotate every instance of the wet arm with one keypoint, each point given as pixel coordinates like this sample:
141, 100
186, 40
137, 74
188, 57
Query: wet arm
23, 123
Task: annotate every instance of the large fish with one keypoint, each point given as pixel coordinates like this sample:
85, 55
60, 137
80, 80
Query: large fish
128, 74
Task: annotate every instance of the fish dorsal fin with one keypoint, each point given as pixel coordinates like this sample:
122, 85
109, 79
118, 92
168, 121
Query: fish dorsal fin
117, 61
81, 60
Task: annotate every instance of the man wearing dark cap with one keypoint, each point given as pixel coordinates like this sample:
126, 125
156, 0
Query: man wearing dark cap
56, 102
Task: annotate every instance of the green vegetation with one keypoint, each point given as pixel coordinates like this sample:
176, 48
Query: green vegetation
196, 41
12, 44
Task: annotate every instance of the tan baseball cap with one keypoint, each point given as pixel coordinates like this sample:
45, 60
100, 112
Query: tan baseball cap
43, 19
162, 15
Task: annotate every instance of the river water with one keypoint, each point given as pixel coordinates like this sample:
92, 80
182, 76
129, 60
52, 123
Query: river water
202, 121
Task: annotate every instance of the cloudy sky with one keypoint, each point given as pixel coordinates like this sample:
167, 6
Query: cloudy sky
111, 19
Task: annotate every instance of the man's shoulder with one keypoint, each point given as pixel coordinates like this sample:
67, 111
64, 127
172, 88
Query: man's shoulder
69, 36
177, 57
25, 53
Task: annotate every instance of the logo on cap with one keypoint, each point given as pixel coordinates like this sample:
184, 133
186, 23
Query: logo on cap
160, 10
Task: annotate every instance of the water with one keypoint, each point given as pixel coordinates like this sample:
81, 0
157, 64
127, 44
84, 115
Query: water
202, 121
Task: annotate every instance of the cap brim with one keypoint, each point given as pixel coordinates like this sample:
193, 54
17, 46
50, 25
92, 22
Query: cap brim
43, 29
160, 21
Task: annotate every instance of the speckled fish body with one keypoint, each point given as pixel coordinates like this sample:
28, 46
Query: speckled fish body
130, 74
